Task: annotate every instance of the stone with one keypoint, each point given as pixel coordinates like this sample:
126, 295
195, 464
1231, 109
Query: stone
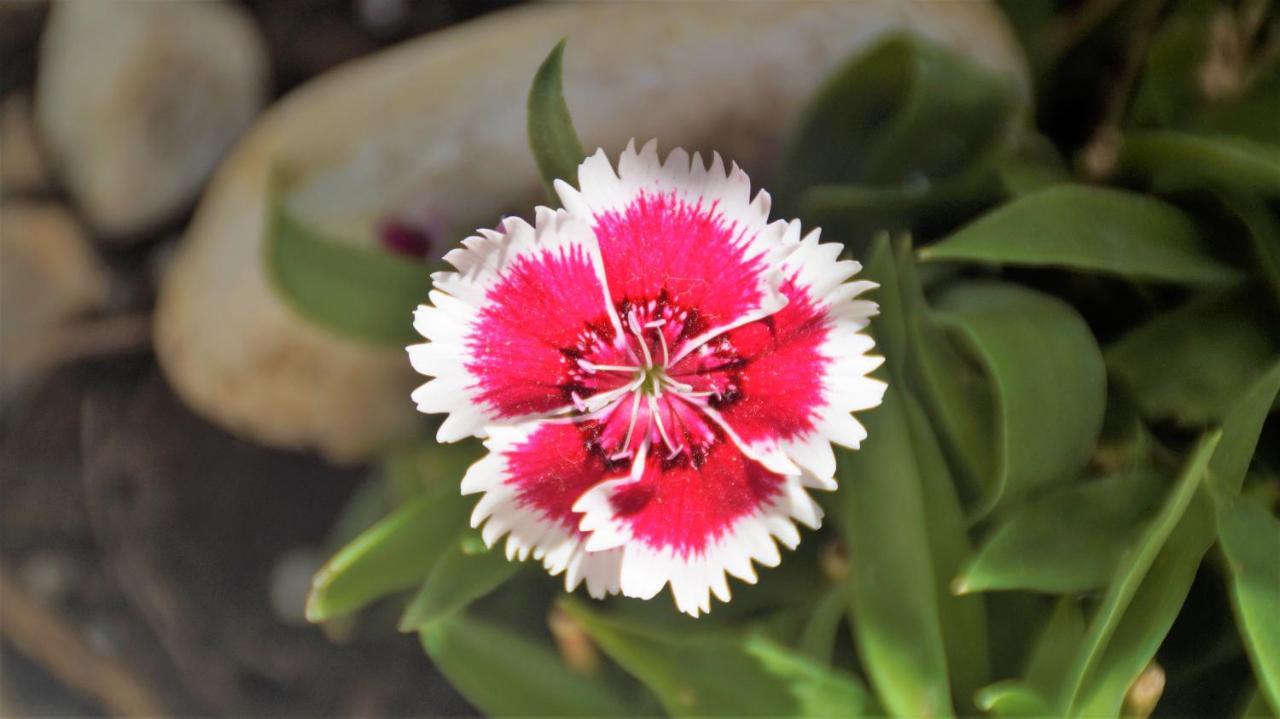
22, 169
49, 276
138, 101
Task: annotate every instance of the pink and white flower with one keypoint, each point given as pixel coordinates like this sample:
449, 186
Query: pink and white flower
659, 373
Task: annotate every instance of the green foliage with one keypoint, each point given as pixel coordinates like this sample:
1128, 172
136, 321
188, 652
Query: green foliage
505, 673
360, 291
1020, 531
552, 138
1089, 229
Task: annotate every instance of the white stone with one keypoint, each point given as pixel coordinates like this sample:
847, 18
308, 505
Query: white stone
137, 101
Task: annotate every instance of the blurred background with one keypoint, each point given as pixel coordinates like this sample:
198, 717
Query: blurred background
149, 561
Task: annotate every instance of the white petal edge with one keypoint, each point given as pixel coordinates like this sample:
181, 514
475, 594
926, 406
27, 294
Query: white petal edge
498, 514
457, 300
693, 579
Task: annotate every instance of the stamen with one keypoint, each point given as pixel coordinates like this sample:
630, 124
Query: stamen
639, 333
662, 431
593, 367
631, 425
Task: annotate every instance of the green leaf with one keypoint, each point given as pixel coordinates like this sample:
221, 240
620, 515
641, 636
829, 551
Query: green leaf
1012, 698
1107, 664
466, 572
897, 624
905, 530
552, 138
818, 637
1174, 161
1159, 598
1047, 376
1070, 540
506, 674
1088, 229
1263, 226
361, 291
1241, 428
1054, 648
394, 554
1250, 538
1034, 164
715, 673
1189, 364
904, 108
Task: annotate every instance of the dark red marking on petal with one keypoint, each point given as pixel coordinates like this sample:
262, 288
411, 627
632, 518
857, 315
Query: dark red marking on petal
687, 507
522, 344
660, 245
768, 373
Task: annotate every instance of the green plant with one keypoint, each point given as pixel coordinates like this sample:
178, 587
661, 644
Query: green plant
1080, 366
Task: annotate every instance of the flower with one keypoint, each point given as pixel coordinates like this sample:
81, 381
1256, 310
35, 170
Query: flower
658, 371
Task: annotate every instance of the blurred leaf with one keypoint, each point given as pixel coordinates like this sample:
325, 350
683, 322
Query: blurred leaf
506, 674
1168, 88
1256, 707
1106, 661
466, 572
1263, 225
394, 554
856, 213
1250, 538
818, 637
1057, 644
1034, 164
417, 467
1175, 161
1047, 375
713, 673
1241, 428
1012, 698
1089, 229
361, 291
1068, 541
552, 138
1189, 364
902, 110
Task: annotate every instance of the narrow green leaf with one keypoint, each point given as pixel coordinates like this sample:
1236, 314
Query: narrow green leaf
1048, 379
1175, 161
361, 291
911, 479
506, 674
552, 138
1054, 649
894, 612
1241, 428
1189, 364
1070, 540
394, 554
1159, 599
1012, 698
465, 573
1091, 665
715, 673
1089, 229
818, 636
1250, 538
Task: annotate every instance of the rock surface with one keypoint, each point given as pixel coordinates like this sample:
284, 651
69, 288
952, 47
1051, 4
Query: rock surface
137, 101
49, 275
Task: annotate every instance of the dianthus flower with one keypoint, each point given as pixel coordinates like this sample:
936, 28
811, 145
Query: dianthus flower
658, 372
